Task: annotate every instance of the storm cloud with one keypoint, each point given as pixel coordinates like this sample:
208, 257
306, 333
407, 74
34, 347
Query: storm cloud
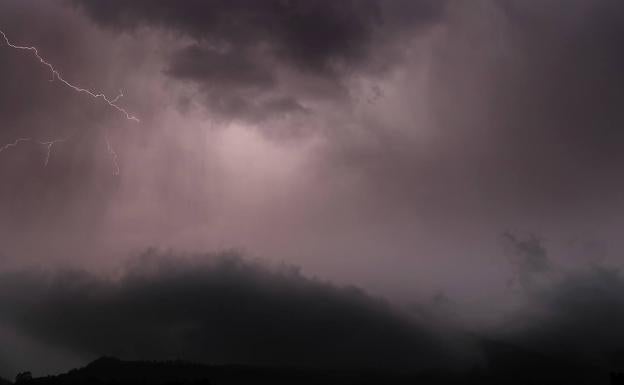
377, 144
571, 316
244, 50
218, 309
578, 318
309, 35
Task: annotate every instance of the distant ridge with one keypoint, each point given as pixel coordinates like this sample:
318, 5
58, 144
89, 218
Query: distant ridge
507, 365
113, 371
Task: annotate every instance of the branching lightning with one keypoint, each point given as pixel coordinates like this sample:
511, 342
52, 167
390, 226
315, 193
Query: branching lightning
48, 147
15, 143
56, 75
46, 144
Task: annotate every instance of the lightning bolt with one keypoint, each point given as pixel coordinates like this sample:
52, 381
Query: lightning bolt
56, 75
15, 143
48, 146
113, 155
118, 97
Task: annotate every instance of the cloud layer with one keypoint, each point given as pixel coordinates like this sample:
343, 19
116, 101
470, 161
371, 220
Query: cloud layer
219, 309
243, 55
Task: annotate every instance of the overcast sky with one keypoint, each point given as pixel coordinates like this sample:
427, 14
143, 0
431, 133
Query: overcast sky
422, 150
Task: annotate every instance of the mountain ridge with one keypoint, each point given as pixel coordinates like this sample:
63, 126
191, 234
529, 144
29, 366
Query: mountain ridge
507, 365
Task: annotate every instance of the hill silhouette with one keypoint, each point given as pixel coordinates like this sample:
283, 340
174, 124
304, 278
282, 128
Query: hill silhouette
522, 366
113, 371
507, 364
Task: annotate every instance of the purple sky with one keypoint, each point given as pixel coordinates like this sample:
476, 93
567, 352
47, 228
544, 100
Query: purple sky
387, 145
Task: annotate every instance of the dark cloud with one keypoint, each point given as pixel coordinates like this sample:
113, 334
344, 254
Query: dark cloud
234, 84
570, 315
309, 34
528, 256
221, 309
242, 45
220, 69
577, 318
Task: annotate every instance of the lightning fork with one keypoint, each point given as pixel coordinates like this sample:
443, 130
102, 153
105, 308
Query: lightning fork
14, 143
96, 95
113, 154
48, 146
57, 75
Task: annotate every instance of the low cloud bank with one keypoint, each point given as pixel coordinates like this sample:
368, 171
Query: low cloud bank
223, 308
219, 309
572, 314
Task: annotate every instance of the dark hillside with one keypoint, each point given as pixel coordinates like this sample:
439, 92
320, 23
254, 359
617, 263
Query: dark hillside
508, 365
